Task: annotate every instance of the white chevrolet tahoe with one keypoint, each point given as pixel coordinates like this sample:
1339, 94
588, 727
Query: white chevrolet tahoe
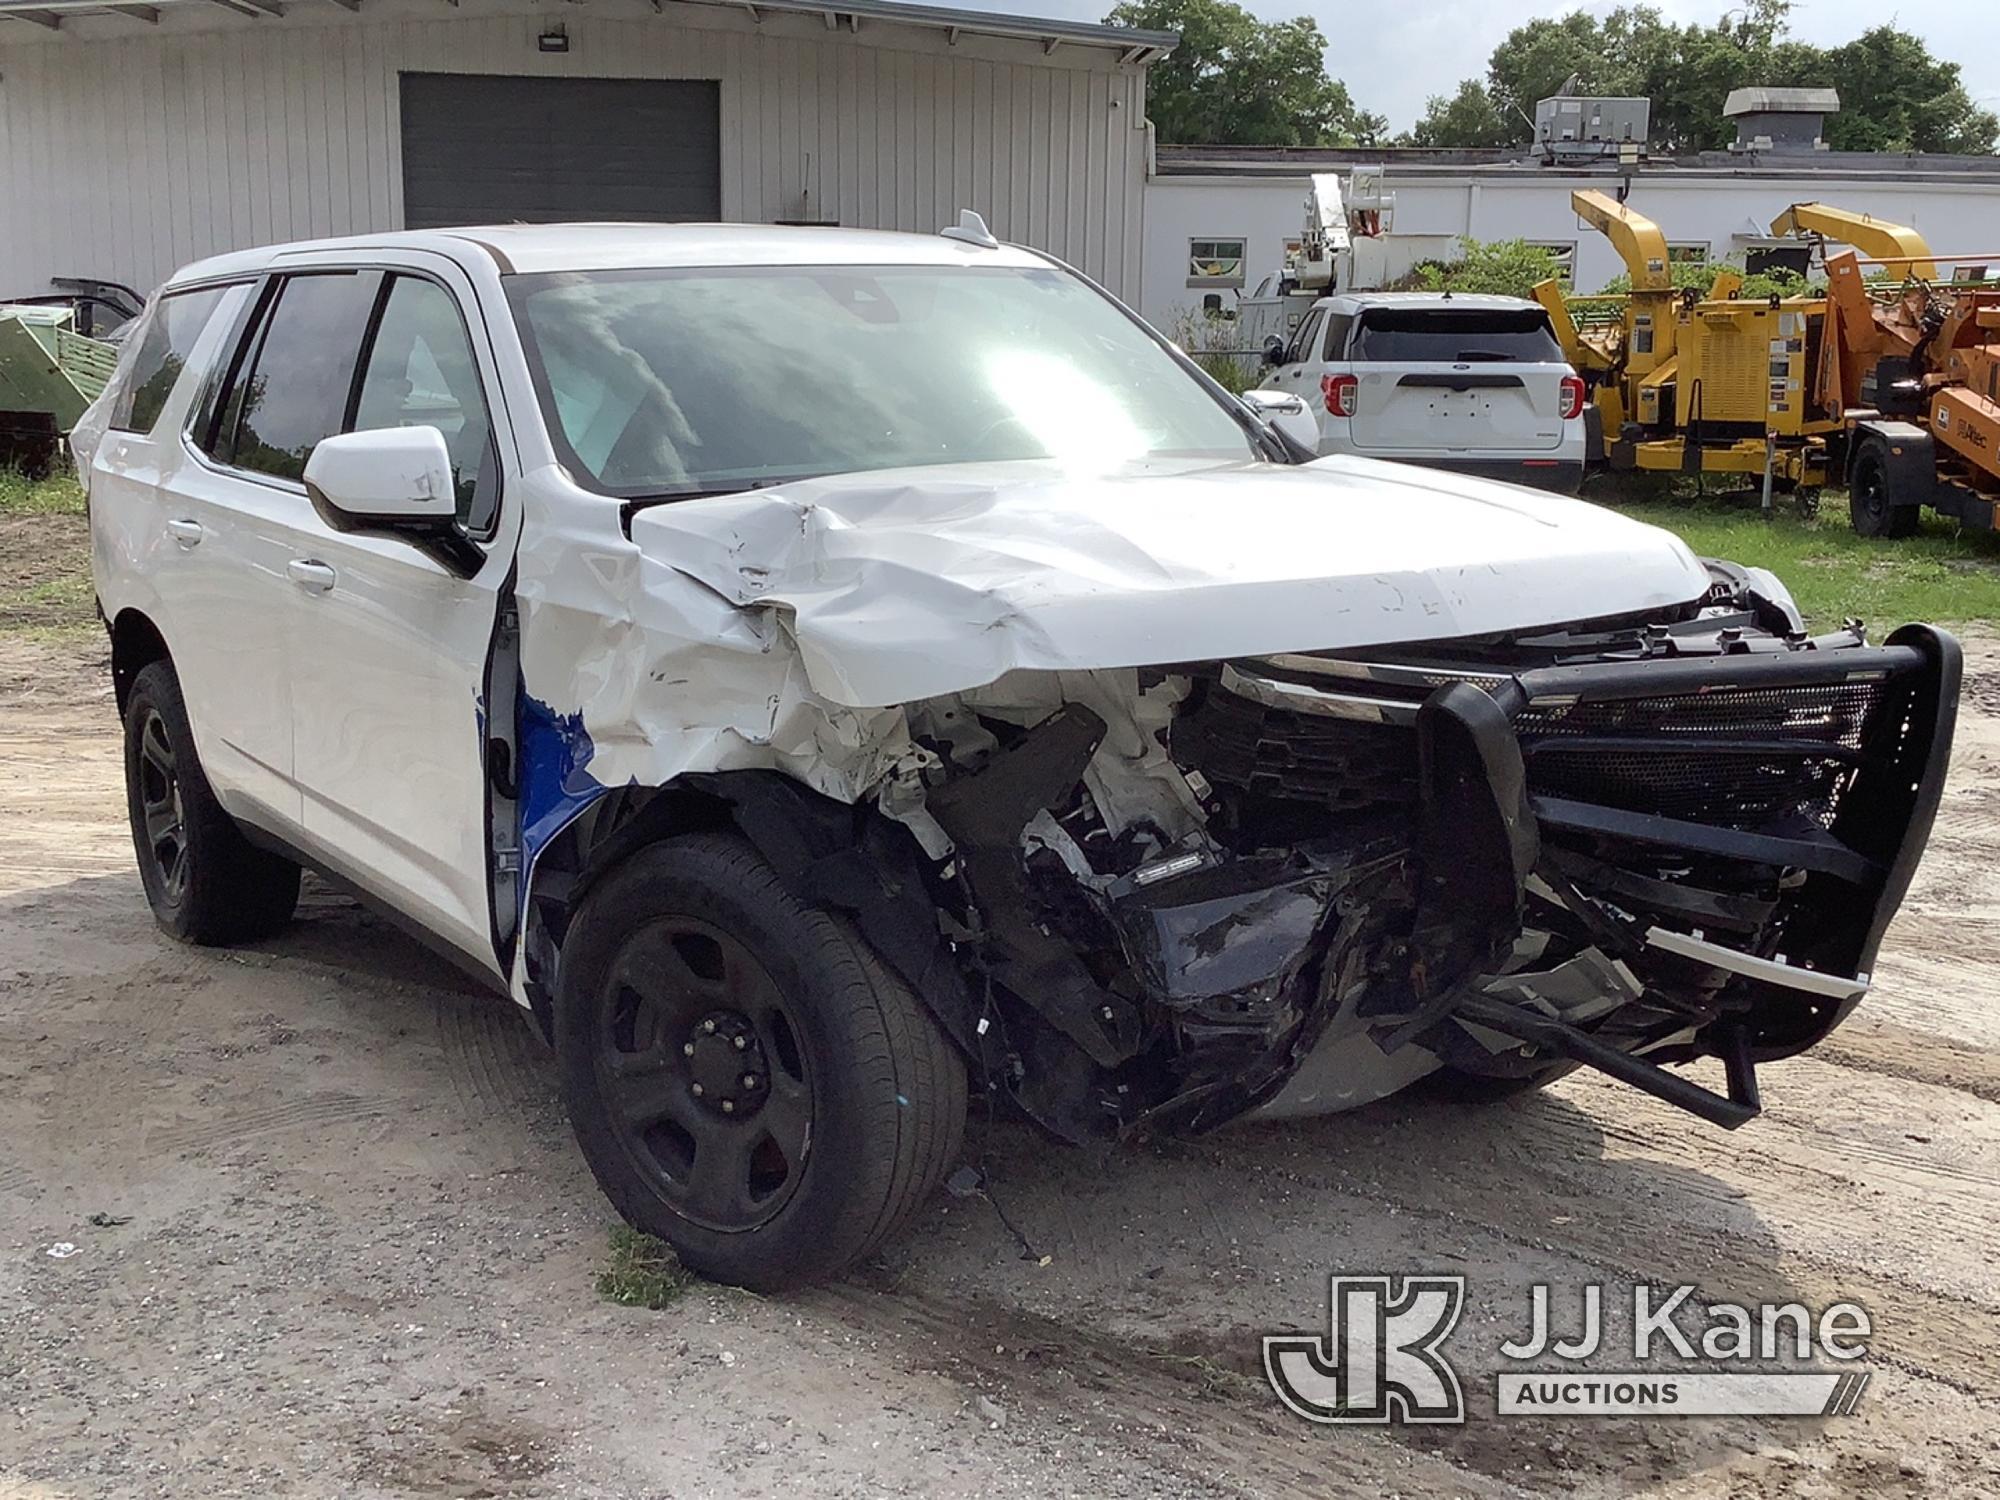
820, 672
1474, 384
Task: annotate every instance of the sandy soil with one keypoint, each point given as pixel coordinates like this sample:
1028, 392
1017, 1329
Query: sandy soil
344, 1247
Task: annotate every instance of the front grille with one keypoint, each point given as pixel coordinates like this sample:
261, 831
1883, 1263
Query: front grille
1739, 758
1744, 758
1826, 713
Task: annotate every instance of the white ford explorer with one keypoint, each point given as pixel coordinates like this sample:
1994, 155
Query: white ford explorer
1471, 383
818, 672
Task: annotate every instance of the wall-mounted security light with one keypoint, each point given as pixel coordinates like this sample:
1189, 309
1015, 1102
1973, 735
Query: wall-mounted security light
555, 39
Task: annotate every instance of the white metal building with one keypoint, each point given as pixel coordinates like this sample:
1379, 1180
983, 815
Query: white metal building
1232, 209
135, 137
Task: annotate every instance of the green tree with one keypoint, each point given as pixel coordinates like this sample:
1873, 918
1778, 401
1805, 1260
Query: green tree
1895, 96
1506, 268
1467, 118
1237, 81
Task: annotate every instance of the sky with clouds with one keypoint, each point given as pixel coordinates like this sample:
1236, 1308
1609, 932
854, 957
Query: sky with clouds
1393, 57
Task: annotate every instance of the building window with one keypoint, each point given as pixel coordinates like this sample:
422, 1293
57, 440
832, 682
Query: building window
1215, 263
1687, 252
1563, 253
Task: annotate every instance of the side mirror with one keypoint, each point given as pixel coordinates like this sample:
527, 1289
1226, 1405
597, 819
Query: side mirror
1274, 350
393, 476
1286, 413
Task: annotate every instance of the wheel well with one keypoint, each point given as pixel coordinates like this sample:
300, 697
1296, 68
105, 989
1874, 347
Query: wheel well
136, 643
830, 854
582, 851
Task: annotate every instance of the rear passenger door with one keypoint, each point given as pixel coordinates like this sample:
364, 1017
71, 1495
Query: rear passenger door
232, 506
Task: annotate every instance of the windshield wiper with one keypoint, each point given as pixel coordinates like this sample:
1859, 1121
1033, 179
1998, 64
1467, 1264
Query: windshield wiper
712, 491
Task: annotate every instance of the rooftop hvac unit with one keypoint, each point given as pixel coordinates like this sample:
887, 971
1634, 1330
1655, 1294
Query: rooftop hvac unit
1581, 127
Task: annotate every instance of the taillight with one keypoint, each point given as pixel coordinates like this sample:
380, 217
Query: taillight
1340, 392
1572, 397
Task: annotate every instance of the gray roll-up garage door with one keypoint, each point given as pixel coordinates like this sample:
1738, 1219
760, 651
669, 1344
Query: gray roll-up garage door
493, 150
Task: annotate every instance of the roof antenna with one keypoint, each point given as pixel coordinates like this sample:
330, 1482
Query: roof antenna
972, 230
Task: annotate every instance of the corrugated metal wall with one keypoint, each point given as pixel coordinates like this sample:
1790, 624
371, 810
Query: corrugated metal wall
128, 150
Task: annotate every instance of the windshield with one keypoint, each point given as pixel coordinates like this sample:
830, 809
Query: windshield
674, 382
1430, 335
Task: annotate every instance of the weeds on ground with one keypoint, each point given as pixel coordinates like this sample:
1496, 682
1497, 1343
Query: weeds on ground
1941, 574
57, 495
45, 588
644, 1271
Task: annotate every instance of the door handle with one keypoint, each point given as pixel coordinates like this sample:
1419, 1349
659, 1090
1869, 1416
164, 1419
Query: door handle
311, 574
184, 531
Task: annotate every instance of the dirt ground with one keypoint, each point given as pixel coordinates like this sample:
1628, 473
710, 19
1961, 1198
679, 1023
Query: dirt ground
330, 1236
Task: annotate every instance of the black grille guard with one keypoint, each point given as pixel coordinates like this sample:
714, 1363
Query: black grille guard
1482, 828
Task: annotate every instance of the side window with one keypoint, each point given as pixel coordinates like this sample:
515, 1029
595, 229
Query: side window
1307, 339
1338, 325
421, 373
292, 382
170, 332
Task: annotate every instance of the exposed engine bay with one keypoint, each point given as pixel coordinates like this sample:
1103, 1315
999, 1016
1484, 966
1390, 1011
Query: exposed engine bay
1294, 884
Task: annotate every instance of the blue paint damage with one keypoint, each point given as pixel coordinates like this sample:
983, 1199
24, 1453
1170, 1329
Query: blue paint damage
555, 778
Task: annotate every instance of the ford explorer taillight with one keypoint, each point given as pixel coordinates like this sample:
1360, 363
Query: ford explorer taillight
1340, 392
1572, 397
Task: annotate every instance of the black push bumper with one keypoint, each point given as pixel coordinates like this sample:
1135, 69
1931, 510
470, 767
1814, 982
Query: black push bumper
1825, 763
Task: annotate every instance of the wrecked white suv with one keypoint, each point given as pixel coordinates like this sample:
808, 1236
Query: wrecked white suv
816, 671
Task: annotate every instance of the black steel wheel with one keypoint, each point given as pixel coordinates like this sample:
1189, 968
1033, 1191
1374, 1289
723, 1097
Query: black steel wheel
205, 882
1869, 507
702, 1073
746, 1078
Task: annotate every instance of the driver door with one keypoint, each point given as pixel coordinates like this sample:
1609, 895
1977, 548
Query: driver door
389, 682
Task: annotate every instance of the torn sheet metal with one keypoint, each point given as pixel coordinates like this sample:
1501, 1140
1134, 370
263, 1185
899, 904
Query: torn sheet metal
912, 584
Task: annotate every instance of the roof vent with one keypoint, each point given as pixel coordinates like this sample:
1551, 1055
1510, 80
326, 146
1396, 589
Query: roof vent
972, 230
1780, 119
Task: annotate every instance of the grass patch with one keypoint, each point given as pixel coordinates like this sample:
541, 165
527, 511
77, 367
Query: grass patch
1938, 575
644, 1271
58, 495
45, 587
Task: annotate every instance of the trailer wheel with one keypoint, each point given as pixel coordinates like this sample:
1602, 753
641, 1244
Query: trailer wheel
1869, 507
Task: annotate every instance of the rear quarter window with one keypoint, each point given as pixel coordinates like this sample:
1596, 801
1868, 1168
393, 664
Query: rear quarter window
1430, 335
167, 338
1338, 327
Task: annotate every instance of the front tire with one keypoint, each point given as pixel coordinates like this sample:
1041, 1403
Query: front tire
206, 883
746, 1079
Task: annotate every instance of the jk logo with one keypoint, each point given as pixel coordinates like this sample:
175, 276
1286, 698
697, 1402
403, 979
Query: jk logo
1380, 1360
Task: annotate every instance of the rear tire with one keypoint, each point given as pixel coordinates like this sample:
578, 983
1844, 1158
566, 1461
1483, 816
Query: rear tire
206, 883
746, 1078
1869, 509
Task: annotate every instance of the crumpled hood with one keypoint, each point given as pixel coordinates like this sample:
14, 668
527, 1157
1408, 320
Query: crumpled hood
913, 583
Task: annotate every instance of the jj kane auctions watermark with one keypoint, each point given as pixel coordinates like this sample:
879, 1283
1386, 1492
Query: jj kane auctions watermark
1383, 1356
